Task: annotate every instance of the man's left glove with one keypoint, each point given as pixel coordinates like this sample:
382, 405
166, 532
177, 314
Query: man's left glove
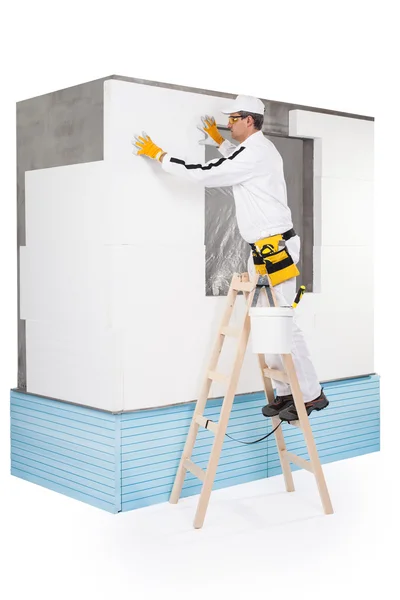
145, 146
213, 136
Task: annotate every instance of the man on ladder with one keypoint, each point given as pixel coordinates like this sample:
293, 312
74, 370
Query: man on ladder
254, 169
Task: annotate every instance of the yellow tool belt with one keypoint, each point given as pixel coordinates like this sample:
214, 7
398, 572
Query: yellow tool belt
270, 258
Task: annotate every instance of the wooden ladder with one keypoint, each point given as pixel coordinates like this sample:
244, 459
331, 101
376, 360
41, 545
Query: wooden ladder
242, 283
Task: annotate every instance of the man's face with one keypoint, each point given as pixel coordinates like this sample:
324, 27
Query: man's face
239, 126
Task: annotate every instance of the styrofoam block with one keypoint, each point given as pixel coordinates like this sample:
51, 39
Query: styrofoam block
301, 122
356, 157
343, 345
170, 117
347, 275
158, 301
170, 334
317, 269
176, 349
64, 283
169, 325
65, 205
317, 209
347, 212
347, 144
76, 362
157, 373
147, 202
157, 278
317, 162
168, 352
167, 319
149, 206
167, 356
338, 319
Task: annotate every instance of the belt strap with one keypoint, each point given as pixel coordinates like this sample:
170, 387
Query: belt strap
278, 266
288, 234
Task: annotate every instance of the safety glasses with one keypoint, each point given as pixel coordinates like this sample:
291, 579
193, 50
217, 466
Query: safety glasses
234, 119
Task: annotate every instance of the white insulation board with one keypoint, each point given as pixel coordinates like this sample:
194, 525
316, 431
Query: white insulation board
113, 272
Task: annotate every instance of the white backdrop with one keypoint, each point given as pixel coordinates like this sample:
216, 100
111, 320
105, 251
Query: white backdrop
342, 76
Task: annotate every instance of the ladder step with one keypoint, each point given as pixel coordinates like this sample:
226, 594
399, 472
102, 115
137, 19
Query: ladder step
277, 375
230, 331
217, 377
300, 462
195, 469
211, 426
244, 287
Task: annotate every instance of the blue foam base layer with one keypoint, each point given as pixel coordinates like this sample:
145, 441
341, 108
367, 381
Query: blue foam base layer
120, 462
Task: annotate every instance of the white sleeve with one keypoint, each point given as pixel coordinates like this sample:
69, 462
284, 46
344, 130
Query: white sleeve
226, 148
219, 172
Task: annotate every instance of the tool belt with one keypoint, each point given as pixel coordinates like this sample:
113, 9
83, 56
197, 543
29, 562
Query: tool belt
270, 257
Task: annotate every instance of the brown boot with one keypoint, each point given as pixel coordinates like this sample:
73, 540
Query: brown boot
280, 402
290, 414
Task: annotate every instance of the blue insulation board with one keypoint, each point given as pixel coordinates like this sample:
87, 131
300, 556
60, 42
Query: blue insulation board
120, 462
67, 448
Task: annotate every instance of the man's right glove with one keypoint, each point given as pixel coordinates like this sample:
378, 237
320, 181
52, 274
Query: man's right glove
213, 136
144, 146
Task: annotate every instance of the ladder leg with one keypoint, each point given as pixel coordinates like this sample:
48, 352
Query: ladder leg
279, 437
187, 453
308, 436
224, 418
203, 397
209, 480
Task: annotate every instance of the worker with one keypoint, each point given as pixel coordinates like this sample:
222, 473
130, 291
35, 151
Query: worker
254, 169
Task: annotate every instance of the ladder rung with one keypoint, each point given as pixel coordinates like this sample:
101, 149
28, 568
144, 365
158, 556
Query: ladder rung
200, 420
217, 376
300, 462
244, 287
195, 469
277, 375
230, 331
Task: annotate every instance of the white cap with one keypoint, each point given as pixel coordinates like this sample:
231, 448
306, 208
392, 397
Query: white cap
246, 104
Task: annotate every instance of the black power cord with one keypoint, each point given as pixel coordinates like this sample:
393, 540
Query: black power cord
254, 441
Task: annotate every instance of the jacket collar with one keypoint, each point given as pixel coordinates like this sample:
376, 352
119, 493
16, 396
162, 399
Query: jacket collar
252, 138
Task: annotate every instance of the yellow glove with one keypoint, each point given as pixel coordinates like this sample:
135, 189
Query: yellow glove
146, 147
211, 130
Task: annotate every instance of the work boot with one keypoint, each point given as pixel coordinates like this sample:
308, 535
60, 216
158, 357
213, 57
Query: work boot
280, 402
290, 414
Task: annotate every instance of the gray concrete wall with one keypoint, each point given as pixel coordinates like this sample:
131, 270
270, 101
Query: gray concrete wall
307, 241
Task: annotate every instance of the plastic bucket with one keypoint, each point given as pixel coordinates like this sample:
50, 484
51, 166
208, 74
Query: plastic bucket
271, 329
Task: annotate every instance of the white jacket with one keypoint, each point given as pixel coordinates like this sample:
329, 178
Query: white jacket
254, 169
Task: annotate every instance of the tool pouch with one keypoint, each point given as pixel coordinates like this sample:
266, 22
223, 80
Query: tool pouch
269, 258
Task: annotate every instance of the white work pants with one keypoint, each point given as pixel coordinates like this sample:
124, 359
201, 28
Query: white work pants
285, 293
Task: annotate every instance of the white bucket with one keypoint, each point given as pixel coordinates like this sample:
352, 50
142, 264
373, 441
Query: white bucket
271, 329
